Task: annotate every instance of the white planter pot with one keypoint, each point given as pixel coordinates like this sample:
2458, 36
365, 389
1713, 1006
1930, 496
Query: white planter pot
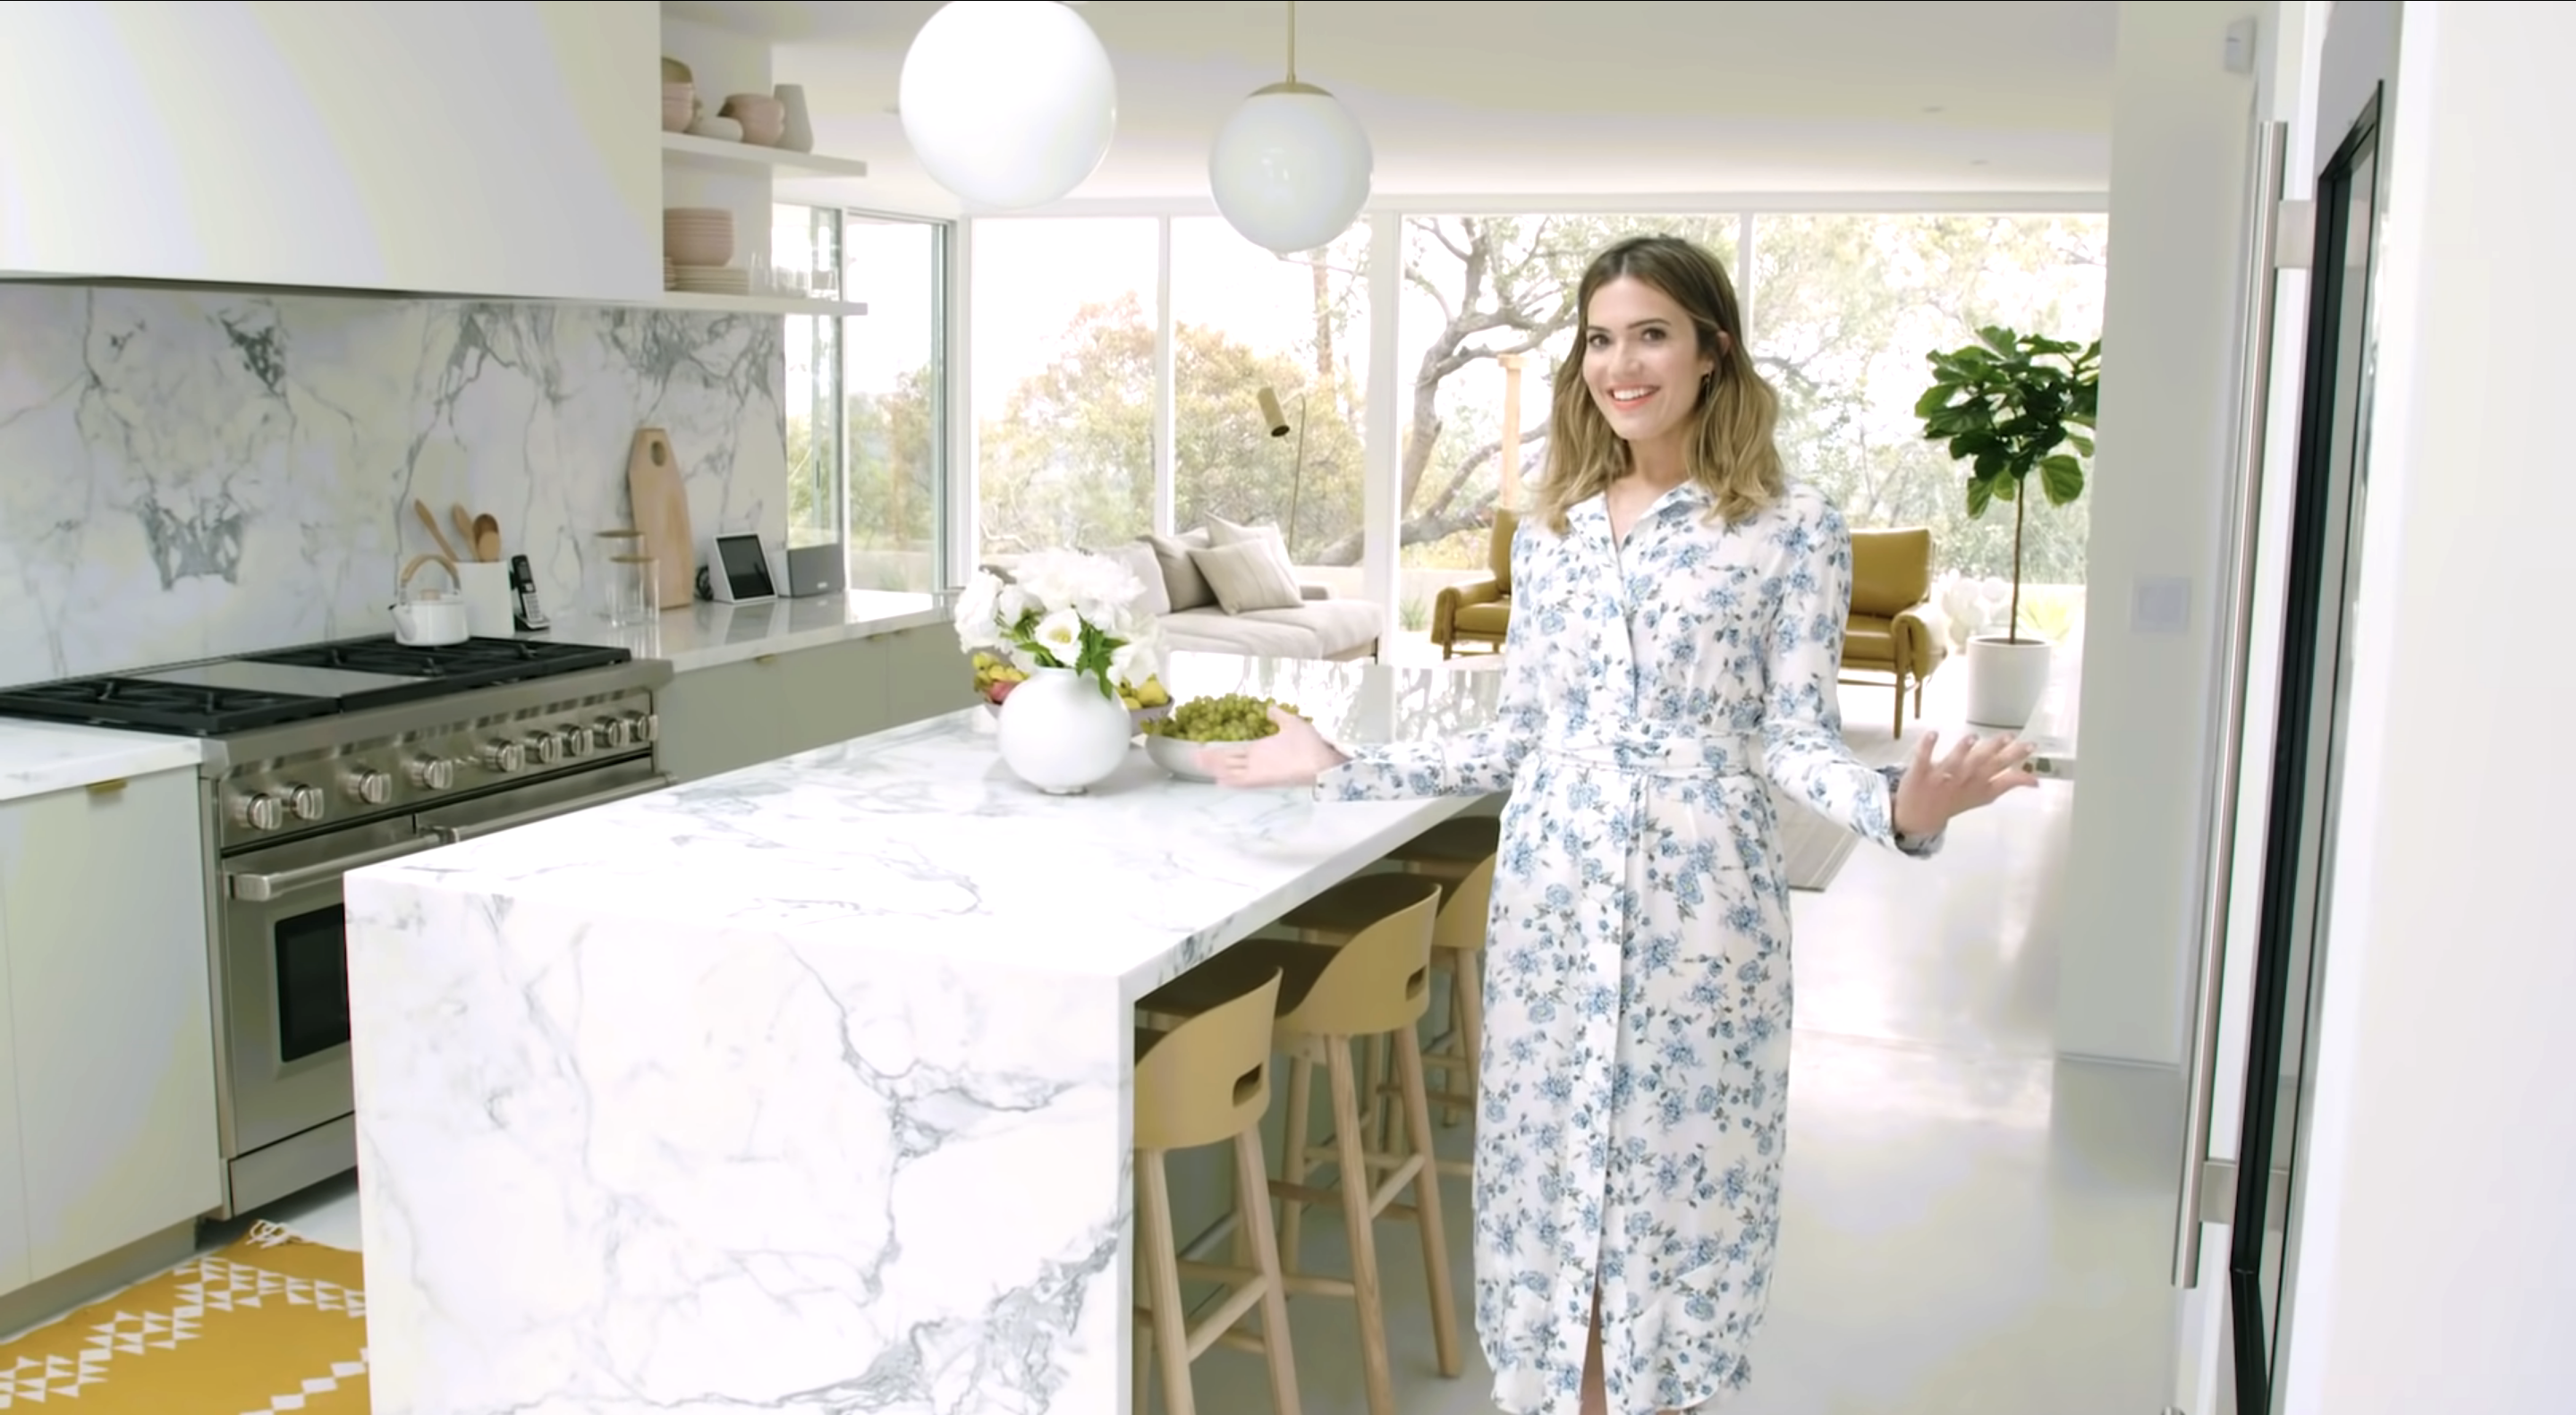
2006, 680
1058, 734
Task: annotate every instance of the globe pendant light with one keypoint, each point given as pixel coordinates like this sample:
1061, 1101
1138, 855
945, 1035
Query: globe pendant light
1008, 103
1290, 169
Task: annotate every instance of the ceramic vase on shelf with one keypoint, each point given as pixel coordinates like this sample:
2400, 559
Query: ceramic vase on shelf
799, 134
1059, 734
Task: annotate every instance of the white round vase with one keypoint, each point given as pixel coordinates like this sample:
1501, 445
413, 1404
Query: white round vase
1057, 733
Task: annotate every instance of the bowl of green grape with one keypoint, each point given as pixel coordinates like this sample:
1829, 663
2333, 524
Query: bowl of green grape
1174, 742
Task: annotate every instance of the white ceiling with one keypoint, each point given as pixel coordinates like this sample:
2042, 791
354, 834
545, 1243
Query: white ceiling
1538, 98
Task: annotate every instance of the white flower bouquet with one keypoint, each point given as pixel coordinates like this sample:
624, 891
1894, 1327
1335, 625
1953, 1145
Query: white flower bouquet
1061, 609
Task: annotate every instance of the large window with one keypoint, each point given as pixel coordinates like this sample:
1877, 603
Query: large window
1064, 333
866, 395
1245, 320
1844, 310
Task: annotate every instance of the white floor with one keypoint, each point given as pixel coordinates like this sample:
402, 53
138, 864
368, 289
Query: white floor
1972, 1225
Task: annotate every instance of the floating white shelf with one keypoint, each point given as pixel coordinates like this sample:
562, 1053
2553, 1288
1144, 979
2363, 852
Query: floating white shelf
759, 304
709, 152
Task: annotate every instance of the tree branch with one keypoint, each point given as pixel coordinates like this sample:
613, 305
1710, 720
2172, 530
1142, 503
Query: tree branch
1474, 462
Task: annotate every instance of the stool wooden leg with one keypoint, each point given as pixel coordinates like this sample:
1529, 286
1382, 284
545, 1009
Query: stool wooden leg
1293, 1167
1163, 1272
1253, 1177
1426, 1203
1376, 1372
1469, 983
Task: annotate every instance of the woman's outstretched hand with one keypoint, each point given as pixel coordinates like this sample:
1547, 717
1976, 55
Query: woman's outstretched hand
1292, 756
1976, 772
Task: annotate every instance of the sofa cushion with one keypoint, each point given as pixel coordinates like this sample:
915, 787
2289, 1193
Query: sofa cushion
1869, 641
1264, 633
1183, 585
1337, 626
1247, 576
1492, 619
1142, 561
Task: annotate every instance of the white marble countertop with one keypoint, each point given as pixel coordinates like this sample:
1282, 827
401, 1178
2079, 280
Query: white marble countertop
706, 635
38, 757
922, 837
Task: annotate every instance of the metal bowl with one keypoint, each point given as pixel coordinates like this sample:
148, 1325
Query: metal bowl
1178, 756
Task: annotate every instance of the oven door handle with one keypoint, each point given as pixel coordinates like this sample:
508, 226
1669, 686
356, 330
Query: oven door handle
259, 889
459, 834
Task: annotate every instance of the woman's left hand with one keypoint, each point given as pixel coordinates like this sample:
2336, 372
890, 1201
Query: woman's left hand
1974, 773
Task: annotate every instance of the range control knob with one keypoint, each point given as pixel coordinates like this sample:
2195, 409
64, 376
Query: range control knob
538, 748
642, 727
573, 742
503, 757
306, 802
434, 773
259, 811
608, 733
370, 788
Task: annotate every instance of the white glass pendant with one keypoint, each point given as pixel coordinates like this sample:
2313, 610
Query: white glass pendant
1290, 170
1008, 103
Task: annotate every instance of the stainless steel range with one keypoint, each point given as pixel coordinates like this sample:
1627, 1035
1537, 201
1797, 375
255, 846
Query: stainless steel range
326, 759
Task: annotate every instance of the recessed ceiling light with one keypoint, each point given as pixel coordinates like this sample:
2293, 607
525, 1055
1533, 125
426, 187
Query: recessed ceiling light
1935, 108
1976, 162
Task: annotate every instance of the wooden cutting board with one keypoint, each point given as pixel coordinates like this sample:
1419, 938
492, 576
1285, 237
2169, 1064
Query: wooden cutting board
662, 516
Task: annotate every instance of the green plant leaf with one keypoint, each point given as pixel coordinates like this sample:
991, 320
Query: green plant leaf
1934, 400
2083, 444
2003, 341
2062, 478
1981, 494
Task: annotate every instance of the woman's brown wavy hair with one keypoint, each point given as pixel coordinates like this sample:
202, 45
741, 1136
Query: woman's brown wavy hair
1732, 453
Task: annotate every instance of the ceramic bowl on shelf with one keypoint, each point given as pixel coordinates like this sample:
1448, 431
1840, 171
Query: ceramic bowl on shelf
763, 117
697, 235
679, 106
716, 129
710, 280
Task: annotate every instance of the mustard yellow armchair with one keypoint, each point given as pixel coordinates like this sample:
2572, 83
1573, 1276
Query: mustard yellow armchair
1887, 633
1479, 611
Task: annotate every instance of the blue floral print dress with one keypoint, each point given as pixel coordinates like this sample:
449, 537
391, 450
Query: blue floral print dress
1631, 1119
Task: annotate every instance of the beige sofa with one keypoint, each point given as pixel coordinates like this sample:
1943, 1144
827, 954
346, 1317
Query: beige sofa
1228, 588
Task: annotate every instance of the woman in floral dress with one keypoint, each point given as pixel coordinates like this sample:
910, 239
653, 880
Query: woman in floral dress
1676, 634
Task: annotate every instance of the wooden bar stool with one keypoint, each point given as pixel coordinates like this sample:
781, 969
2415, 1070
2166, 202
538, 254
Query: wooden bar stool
1376, 984
1450, 852
1204, 1082
1457, 946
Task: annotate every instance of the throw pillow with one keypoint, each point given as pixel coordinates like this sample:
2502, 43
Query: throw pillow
1142, 561
1246, 577
1182, 583
1223, 532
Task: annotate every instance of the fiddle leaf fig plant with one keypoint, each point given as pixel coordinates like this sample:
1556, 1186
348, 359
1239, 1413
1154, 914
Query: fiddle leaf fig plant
2011, 405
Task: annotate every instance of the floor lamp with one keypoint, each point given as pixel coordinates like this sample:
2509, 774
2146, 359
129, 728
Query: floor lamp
1277, 421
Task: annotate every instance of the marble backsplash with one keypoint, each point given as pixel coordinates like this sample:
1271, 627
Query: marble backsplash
188, 473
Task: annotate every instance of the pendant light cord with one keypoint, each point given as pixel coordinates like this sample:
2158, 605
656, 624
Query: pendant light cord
1292, 41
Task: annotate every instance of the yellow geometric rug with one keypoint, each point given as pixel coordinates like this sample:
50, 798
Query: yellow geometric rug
274, 1322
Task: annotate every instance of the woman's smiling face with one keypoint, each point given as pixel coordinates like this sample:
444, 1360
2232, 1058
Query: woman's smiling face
1642, 360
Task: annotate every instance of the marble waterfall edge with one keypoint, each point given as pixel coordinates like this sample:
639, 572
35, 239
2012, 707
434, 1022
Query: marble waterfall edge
756, 1169
186, 473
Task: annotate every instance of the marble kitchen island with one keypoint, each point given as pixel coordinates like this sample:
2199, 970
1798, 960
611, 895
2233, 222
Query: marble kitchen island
805, 1087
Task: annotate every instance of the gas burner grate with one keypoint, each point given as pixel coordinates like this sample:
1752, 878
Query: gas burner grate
142, 704
474, 663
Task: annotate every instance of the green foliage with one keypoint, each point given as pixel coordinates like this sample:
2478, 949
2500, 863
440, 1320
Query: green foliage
2005, 405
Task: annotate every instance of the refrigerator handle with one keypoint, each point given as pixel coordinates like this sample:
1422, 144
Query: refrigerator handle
2264, 260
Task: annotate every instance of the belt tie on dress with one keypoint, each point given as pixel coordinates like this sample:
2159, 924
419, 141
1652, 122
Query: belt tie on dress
1671, 756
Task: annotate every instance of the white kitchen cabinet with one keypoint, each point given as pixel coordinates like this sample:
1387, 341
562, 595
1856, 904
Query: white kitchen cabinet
722, 718
13, 1170
111, 1018
926, 674
833, 693
507, 148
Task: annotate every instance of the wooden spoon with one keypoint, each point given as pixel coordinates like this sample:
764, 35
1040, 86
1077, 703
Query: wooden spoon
422, 509
463, 520
487, 538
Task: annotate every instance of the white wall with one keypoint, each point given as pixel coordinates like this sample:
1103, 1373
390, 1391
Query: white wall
2181, 125
2440, 1236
